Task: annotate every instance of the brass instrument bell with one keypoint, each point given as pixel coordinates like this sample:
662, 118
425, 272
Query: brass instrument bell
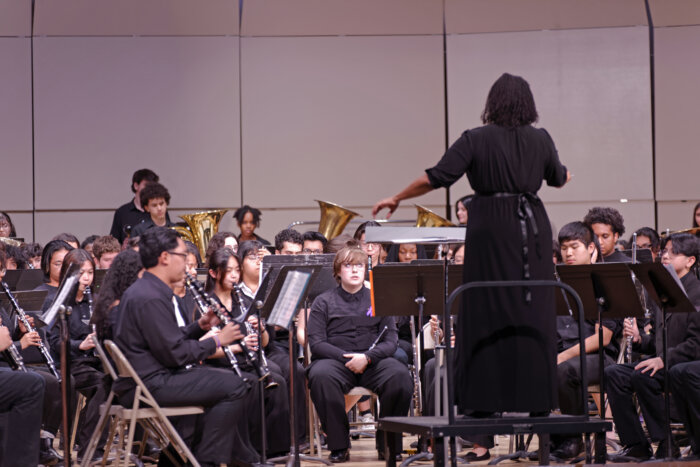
201, 226
334, 218
427, 218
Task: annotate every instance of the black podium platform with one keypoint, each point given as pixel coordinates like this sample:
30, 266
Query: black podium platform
439, 428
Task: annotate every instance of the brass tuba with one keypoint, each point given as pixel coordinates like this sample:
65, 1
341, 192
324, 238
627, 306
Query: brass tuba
427, 218
334, 218
201, 226
10, 241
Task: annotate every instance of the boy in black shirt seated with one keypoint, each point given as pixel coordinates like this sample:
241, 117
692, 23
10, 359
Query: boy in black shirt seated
341, 332
578, 246
608, 225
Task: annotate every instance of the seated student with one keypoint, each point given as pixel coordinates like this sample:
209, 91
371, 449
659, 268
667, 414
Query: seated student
21, 400
148, 333
7, 228
288, 242
649, 239
15, 258
155, 199
51, 414
87, 245
51, 262
85, 368
220, 240
224, 273
646, 378
69, 238
314, 243
462, 209
577, 244
373, 250
105, 249
32, 253
608, 225
248, 219
132, 213
341, 332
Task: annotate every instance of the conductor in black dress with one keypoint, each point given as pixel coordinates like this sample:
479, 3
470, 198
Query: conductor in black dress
506, 338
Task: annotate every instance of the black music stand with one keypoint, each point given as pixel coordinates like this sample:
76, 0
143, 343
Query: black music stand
606, 290
664, 288
277, 277
30, 301
24, 279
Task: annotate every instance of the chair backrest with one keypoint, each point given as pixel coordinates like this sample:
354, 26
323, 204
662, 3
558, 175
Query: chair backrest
125, 370
106, 364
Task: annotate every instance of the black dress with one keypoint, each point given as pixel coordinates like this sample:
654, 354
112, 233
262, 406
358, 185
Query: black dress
506, 338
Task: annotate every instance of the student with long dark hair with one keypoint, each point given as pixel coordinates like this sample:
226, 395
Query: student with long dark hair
51, 263
7, 228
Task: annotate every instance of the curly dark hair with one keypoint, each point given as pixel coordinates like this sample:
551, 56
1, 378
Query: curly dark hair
124, 272
154, 190
288, 235
607, 216
510, 103
243, 210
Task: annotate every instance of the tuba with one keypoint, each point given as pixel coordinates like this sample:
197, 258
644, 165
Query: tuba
201, 226
427, 218
334, 218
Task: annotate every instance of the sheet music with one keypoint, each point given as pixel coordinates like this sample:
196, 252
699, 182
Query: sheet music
288, 300
62, 296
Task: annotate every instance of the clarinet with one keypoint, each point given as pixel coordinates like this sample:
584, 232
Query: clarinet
260, 365
13, 358
45, 354
190, 282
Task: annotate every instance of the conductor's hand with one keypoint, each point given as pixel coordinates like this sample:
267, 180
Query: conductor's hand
631, 330
652, 365
30, 339
230, 333
358, 362
389, 203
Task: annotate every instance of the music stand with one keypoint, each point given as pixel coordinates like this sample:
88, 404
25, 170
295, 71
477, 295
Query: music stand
663, 286
24, 279
277, 276
30, 301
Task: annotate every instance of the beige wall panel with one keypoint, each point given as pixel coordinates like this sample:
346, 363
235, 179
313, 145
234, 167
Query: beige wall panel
106, 107
635, 213
15, 18
342, 119
80, 223
470, 16
340, 17
675, 12
136, 17
592, 93
23, 224
15, 124
676, 215
677, 103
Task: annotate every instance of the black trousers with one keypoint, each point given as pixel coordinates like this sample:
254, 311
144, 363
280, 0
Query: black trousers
52, 413
21, 402
569, 381
621, 382
329, 380
220, 434
685, 388
88, 380
280, 355
276, 415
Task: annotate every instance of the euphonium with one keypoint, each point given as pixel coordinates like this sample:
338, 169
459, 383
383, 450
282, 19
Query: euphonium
201, 226
334, 218
427, 218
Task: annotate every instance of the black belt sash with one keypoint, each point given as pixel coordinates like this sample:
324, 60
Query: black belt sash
526, 216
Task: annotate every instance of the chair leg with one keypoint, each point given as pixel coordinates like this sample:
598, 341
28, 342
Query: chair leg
76, 419
95, 438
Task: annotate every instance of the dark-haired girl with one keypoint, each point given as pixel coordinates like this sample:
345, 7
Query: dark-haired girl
248, 219
51, 263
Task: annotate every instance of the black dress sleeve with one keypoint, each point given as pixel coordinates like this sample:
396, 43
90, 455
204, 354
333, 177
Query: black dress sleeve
554, 171
453, 165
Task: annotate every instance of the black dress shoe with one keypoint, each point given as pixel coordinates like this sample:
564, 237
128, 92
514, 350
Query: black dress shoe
339, 455
382, 457
47, 454
569, 448
640, 451
661, 450
471, 456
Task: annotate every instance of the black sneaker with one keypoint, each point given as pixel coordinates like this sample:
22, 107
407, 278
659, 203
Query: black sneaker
569, 448
339, 455
639, 451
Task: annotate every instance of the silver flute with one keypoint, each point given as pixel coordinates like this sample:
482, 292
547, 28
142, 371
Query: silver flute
22, 316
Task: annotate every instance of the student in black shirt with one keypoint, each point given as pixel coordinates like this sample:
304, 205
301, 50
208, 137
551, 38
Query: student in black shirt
51, 262
132, 213
160, 351
608, 225
341, 331
646, 378
576, 241
155, 199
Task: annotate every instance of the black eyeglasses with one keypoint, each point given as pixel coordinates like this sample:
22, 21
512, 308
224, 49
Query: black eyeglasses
184, 255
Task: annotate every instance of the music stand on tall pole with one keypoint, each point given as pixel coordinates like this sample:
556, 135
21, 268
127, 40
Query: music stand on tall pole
664, 288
